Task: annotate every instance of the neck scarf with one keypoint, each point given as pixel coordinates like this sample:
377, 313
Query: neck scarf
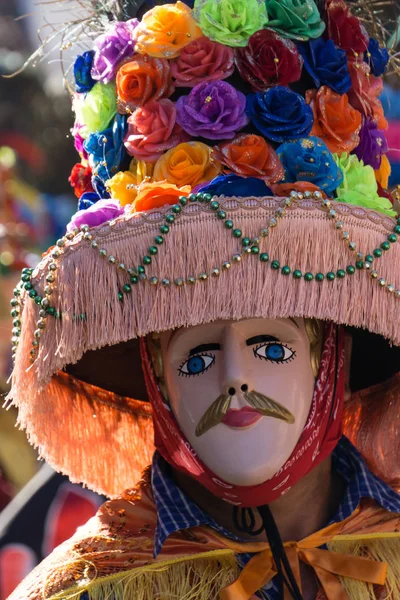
320, 435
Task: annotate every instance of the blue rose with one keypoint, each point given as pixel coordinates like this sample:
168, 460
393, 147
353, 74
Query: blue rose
82, 70
309, 160
88, 199
233, 185
280, 114
327, 64
377, 57
106, 149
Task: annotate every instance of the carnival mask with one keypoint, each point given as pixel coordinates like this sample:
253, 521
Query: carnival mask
241, 392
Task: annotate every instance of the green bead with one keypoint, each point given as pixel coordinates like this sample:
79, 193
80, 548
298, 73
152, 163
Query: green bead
14, 313
319, 277
159, 239
14, 302
385, 245
146, 260
28, 286
183, 200
153, 250
26, 277
16, 323
237, 233
359, 264
214, 205
369, 258
170, 219
229, 224
221, 214
275, 264
285, 270
141, 270
120, 296
134, 279
207, 197
264, 257
32, 293
398, 221
255, 249
16, 331
26, 270
341, 273
192, 197
350, 270
176, 209
127, 288
246, 241
397, 229
392, 238
330, 276
377, 252
38, 299
297, 274
308, 276
164, 229
51, 310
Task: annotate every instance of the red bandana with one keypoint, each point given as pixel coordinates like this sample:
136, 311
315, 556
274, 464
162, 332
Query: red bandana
320, 434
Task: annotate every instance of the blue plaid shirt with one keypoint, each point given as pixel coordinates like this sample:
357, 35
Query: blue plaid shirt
176, 511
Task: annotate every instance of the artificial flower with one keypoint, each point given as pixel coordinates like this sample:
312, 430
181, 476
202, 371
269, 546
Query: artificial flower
250, 156
157, 195
233, 185
82, 69
296, 19
106, 149
230, 22
213, 110
99, 186
142, 80
372, 145
377, 57
152, 129
284, 189
280, 114
87, 200
96, 109
165, 30
123, 187
309, 160
344, 29
383, 173
97, 214
336, 122
80, 179
112, 47
327, 64
189, 163
79, 140
268, 60
359, 185
365, 91
202, 60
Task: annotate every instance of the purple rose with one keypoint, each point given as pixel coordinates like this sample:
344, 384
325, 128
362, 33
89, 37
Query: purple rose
372, 144
78, 141
112, 47
214, 111
98, 213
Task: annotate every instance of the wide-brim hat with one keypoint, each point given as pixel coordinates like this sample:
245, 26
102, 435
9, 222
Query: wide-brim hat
298, 256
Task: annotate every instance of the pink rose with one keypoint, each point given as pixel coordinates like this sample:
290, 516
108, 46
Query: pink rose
152, 130
202, 60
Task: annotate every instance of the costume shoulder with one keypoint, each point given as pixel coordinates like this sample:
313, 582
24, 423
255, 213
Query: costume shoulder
115, 548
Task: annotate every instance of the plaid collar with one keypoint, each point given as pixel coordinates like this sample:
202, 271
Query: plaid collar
176, 511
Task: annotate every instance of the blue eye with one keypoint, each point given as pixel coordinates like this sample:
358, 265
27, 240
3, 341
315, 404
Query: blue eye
196, 365
274, 352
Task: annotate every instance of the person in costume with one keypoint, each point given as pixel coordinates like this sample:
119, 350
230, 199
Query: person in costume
227, 296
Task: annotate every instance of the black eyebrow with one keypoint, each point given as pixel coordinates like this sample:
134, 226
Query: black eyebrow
204, 348
258, 339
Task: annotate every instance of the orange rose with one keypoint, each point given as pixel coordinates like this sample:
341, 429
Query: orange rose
284, 189
249, 155
383, 173
336, 122
156, 195
141, 80
189, 163
165, 30
365, 91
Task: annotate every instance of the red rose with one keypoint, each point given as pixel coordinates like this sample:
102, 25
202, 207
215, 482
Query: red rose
365, 91
202, 60
344, 29
81, 179
268, 60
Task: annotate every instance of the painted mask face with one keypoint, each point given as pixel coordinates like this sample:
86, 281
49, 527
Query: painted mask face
241, 392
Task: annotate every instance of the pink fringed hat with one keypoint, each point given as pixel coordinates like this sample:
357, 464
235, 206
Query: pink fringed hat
235, 198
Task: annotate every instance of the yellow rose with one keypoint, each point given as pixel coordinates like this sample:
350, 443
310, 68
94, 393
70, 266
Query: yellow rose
189, 163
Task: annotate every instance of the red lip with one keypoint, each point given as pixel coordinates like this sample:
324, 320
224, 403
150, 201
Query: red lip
241, 417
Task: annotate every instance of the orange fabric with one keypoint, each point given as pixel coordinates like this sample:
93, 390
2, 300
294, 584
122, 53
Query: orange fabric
156, 195
189, 163
120, 537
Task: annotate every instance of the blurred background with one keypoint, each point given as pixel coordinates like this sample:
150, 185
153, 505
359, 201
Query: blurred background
38, 508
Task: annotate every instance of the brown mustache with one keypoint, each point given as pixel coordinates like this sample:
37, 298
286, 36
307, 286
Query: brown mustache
262, 404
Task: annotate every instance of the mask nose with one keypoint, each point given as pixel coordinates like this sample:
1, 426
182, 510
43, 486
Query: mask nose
244, 388
234, 378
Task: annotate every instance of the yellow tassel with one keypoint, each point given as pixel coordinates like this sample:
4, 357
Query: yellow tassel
379, 547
